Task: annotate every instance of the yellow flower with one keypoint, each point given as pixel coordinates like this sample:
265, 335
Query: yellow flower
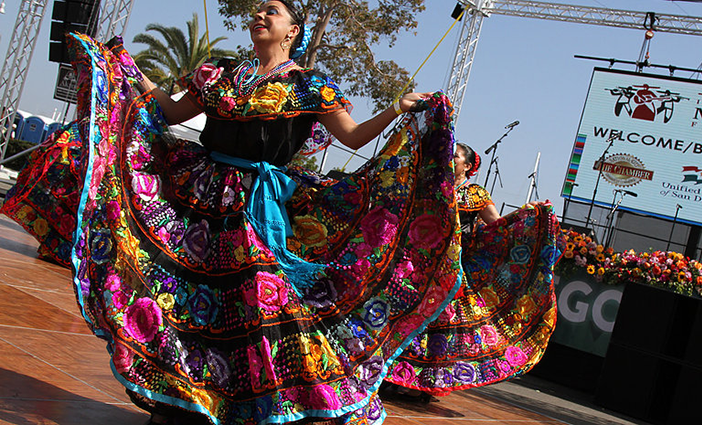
600, 271
309, 231
402, 175
599, 249
269, 98
526, 306
328, 93
166, 301
387, 178
454, 252
489, 297
239, 254
600, 257
41, 227
590, 269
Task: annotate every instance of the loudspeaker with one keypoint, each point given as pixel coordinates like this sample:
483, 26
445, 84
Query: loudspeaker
653, 367
70, 16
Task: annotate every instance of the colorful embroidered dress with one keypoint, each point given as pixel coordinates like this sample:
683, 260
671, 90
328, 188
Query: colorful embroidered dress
498, 325
169, 267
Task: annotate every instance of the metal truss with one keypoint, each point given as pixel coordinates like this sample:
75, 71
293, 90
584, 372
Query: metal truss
113, 19
114, 16
476, 10
17, 59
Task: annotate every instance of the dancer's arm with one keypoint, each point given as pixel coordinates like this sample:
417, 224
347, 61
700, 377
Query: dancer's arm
354, 135
489, 214
174, 111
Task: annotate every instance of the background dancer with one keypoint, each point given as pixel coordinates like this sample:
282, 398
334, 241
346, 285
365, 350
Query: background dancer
498, 325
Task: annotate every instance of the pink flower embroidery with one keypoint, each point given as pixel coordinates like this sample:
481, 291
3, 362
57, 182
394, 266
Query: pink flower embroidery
323, 397
515, 356
206, 74
142, 319
379, 227
227, 104
489, 335
270, 292
112, 282
120, 300
113, 210
426, 231
448, 314
122, 358
146, 186
432, 300
404, 269
403, 373
257, 363
360, 268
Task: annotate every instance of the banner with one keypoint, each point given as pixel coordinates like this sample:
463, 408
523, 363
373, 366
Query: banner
640, 144
587, 311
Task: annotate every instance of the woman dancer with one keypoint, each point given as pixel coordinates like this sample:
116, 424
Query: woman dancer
499, 323
224, 283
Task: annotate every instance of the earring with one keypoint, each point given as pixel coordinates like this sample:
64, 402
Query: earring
285, 44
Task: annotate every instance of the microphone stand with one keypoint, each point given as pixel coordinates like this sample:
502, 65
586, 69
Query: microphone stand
599, 175
675, 219
568, 201
493, 148
610, 216
497, 176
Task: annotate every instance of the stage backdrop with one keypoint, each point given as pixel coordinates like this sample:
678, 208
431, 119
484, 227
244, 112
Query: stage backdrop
648, 130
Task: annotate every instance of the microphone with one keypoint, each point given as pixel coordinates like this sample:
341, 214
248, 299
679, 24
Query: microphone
630, 193
513, 124
678, 206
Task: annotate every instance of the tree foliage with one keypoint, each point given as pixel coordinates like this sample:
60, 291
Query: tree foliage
343, 35
165, 61
305, 161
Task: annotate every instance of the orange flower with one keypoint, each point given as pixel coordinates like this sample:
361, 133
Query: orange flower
590, 269
568, 254
600, 271
310, 231
583, 250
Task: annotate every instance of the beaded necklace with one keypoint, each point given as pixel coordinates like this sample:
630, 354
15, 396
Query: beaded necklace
246, 82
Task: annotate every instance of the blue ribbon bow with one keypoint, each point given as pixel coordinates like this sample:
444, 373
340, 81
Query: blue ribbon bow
265, 209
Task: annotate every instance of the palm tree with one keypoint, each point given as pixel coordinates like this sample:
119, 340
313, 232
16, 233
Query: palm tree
164, 63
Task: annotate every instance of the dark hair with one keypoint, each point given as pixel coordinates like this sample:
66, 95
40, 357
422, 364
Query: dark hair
471, 156
298, 18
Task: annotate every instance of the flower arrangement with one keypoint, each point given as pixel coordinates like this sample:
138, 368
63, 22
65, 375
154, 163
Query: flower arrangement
669, 270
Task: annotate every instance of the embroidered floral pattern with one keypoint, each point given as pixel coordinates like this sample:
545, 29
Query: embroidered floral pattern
498, 325
193, 304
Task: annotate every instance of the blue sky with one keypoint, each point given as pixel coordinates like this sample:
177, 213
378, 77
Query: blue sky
524, 70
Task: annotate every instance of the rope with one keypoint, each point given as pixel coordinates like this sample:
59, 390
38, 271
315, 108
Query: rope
207, 30
415, 74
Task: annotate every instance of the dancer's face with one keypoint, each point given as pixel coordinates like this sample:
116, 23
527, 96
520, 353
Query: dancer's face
272, 24
460, 166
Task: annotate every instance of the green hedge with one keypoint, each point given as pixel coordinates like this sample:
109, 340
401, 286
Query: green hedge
14, 147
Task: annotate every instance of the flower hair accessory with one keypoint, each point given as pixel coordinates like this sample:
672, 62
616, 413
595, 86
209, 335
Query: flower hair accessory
306, 37
476, 164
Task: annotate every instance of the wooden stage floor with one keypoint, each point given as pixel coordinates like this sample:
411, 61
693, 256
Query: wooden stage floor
54, 371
